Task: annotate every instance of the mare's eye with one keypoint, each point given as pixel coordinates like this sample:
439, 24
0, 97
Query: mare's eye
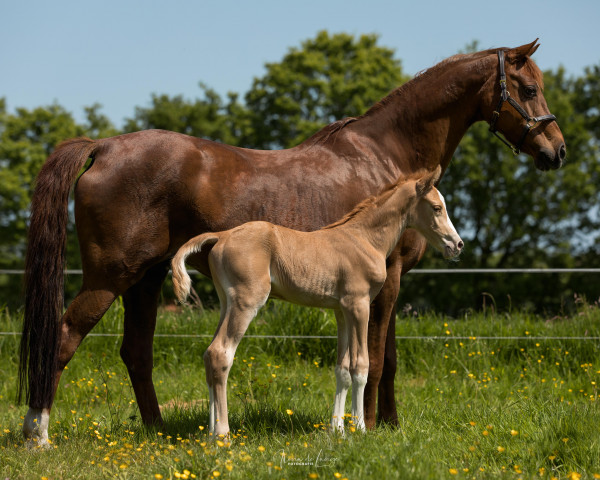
530, 91
437, 209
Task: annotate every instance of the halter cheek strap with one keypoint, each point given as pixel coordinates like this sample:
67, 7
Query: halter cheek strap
530, 122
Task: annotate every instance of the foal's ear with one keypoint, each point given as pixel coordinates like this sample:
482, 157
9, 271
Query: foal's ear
427, 181
519, 53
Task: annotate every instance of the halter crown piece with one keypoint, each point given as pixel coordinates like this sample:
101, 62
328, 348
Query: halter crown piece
531, 122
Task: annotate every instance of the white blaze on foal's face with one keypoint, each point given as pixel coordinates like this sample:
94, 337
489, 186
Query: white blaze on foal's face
431, 219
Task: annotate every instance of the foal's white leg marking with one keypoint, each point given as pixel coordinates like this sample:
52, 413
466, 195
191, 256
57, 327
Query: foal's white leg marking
342, 375
35, 427
211, 410
343, 383
358, 390
357, 319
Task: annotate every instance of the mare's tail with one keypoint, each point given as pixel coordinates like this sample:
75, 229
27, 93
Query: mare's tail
181, 279
44, 271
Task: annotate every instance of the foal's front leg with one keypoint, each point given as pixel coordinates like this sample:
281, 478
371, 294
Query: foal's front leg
342, 375
357, 319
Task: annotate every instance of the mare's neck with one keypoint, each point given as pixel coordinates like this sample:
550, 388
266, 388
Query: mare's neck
421, 123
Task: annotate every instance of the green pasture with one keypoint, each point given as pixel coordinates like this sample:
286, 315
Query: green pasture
471, 406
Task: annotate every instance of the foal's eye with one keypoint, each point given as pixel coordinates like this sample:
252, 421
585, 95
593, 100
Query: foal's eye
530, 91
437, 208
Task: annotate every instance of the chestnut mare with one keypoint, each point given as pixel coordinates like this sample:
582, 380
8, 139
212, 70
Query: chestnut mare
147, 193
341, 266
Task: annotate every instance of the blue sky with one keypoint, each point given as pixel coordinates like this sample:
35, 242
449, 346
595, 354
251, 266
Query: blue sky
117, 53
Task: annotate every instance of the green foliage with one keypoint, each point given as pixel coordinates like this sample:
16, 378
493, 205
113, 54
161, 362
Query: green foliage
587, 98
207, 117
328, 78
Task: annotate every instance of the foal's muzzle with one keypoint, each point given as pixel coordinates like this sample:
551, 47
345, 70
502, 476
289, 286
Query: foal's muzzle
452, 251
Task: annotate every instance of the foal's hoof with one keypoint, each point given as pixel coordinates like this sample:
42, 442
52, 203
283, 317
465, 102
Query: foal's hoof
38, 443
222, 437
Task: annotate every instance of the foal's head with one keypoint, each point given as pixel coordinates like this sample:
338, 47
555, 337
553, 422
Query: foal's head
430, 218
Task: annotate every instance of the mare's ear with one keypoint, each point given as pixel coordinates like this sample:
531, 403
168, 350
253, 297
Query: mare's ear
519, 53
427, 181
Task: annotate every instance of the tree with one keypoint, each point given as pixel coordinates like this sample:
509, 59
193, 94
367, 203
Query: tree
206, 117
587, 99
328, 78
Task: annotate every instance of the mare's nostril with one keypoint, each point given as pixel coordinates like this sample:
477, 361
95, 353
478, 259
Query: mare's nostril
460, 245
562, 152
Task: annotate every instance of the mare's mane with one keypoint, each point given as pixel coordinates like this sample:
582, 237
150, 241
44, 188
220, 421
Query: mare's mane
323, 135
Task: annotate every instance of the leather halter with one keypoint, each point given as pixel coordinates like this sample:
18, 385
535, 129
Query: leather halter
531, 122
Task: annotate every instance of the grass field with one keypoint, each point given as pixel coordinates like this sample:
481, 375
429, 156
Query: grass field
470, 406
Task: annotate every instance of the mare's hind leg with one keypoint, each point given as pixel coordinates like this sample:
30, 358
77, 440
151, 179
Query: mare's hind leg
82, 314
140, 302
386, 398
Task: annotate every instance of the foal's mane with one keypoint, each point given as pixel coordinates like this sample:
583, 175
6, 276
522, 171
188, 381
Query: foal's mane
370, 203
323, 135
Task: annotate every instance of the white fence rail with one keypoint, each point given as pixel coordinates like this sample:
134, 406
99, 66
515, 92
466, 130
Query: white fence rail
418, 270
434, 271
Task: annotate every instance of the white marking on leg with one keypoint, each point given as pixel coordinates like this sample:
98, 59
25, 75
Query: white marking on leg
211, 410
358, 391
343, 383
35, 427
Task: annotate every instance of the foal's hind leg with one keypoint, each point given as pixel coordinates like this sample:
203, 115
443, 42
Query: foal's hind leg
141, 301
82, 314
237, 311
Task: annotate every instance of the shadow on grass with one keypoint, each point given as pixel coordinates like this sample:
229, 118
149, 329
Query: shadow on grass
258, 418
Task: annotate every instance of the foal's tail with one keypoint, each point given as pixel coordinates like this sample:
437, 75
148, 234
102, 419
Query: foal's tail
44, 271
181, 279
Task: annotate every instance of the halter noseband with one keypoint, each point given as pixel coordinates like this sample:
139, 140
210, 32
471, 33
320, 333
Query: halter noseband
505, 97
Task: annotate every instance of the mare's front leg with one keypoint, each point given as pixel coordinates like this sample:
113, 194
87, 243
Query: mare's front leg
381, 315
382, 341
141, 302
342, 374
356, 315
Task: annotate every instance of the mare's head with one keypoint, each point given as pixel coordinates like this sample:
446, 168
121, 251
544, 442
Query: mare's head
430, 218
514, 105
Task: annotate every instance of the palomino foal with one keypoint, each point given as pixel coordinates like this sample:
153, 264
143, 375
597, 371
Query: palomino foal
341, 266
